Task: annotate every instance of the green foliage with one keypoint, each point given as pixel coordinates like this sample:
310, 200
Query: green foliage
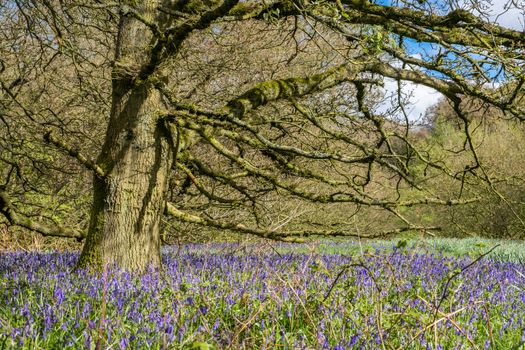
375, 41
402, 243
272, 15
198, 345
500, 208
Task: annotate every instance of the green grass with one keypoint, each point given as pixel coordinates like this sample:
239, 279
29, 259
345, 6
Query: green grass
506, 250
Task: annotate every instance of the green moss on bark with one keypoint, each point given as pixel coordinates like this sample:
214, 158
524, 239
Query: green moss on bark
91, 256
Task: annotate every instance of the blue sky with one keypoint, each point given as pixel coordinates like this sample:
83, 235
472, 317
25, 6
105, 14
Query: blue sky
424, 97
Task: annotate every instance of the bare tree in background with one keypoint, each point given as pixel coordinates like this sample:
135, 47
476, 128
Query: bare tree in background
224, 113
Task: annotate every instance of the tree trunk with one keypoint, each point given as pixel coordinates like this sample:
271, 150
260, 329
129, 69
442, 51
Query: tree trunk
129, 202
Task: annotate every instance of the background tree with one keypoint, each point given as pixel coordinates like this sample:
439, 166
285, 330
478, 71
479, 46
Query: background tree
227, 114
499, 212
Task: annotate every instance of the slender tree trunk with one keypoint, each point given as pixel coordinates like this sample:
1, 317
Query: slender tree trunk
129, 202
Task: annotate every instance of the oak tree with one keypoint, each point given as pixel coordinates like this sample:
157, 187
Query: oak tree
194, 106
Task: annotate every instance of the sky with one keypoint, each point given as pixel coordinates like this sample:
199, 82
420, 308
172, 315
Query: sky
514, 18
424, 97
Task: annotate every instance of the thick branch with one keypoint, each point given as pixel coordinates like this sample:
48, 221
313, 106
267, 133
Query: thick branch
7, 209
273, 90
447, 88
169, 42
455, 27
89, 164
296, 87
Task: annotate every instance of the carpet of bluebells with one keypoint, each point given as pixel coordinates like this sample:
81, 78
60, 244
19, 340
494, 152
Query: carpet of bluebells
222, 296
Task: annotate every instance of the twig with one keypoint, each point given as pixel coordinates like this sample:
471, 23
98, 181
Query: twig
341, 273
343, 270
454, 323
248, 322
489, 326
424, 329
102, 320
454, 275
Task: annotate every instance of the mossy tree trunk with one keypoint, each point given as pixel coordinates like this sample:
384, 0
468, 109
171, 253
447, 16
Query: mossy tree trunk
129, 201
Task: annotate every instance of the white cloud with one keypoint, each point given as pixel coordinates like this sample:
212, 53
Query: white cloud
510, 14
417, 99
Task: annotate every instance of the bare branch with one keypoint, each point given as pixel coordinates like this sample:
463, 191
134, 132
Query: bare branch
89, 164
15, 218
171, 210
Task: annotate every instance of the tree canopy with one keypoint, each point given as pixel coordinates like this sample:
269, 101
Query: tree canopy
267, 118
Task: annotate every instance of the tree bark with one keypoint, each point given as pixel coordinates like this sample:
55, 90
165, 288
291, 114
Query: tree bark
128, 202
